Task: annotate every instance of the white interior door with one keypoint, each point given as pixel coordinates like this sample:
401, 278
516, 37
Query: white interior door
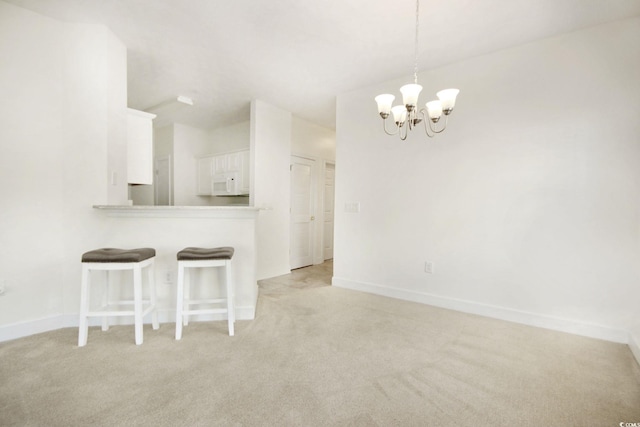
302, 212
162, 181
329, 196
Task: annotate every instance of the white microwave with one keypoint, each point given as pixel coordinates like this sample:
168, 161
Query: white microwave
226, 184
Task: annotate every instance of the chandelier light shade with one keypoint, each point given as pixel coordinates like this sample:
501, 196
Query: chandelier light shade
434, 108
448, 99
385, 101
410, 95
409, 112
399, 114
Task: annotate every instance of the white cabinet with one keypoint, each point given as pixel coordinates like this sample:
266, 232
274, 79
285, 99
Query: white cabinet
220, 164
220, 167
139, 147
234, 162
230, 162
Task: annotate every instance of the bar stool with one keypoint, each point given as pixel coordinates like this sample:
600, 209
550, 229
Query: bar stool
203, 258
109, 259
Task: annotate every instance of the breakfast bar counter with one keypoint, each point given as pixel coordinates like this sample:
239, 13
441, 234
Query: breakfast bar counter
169, 229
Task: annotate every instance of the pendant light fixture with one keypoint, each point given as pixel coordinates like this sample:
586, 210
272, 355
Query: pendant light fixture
407, 116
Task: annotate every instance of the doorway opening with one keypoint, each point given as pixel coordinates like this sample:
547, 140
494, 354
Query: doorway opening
311, 211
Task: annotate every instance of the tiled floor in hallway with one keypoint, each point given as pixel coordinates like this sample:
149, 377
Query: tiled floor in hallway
302, 278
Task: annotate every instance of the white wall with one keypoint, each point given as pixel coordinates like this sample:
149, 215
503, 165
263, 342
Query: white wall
162, 147
189, 143
528, 204
270, 154
234, 137
62, 86
113, 67
163, 141
312, 140
318, 143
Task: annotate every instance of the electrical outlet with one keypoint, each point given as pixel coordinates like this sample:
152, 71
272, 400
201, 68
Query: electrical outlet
168, 277
429, 267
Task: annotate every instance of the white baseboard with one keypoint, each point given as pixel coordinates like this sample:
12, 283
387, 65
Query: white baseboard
31, 327
634, 345
502, 313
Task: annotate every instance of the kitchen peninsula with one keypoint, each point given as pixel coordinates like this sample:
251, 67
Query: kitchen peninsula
168, 229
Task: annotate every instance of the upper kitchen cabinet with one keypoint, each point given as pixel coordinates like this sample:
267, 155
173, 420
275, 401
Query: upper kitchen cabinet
225, 174
139, 147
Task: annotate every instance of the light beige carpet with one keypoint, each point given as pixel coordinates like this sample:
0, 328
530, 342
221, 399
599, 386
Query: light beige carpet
321, 356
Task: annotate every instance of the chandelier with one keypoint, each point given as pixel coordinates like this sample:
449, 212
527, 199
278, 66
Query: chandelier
408, 116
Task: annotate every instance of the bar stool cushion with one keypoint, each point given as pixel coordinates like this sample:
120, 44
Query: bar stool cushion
118, 255
200, 254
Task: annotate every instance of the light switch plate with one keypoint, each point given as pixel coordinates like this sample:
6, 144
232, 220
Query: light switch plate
352, 207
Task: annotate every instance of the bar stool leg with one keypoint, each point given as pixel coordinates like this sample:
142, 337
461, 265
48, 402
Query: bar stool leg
186, 290
105, 301
83, 328
153, 297
230, 308
137, 303
233, 292
179, 300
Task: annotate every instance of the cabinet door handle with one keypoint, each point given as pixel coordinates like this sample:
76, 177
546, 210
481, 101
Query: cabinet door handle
313, 218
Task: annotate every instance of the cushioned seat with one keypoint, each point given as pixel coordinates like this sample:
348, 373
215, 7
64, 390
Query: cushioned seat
118, 255
194, 254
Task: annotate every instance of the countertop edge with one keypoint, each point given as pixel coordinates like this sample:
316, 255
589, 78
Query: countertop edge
225, 212
174, 208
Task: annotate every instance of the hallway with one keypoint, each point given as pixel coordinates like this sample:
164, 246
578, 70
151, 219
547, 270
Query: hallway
314, 276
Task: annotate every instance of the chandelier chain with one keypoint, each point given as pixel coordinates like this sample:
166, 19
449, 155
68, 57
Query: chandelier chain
415, 64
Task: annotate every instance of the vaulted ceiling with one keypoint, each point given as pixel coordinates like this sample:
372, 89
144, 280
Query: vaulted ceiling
299, 55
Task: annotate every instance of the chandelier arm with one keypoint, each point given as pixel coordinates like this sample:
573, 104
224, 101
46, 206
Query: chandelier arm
446, 119
406, 132
425, 119
384, 126
434, 128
